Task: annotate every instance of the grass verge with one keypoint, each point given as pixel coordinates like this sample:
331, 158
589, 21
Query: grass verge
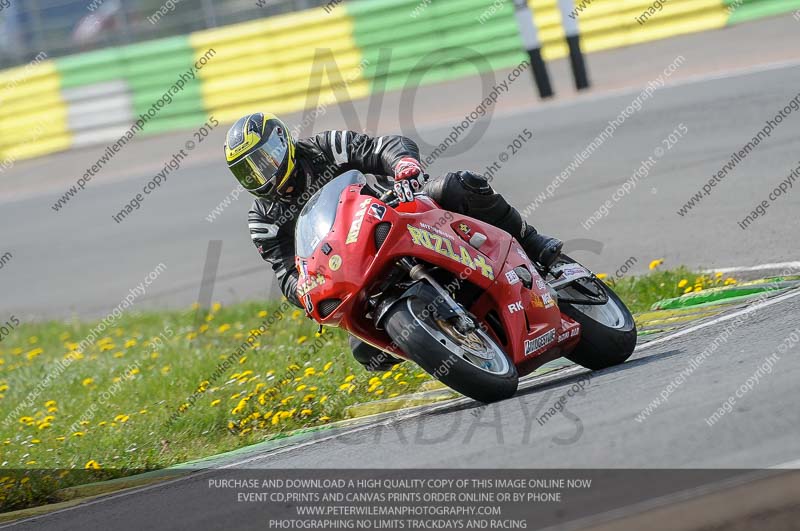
155, 390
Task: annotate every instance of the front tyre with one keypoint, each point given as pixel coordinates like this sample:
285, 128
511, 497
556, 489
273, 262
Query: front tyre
472, 364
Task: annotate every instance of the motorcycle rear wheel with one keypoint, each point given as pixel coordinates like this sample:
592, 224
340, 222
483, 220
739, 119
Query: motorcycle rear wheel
608, 331
473, 364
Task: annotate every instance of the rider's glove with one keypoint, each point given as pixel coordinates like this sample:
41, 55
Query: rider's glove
408, 177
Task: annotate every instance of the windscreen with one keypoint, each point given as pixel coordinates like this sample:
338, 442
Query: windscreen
317, 218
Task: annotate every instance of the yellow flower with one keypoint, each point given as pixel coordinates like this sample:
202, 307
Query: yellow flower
306, 412
300, 387
323, 399
142, 411
35, 441
688, 290
44, 425
350, 378
130, 343
60, 439
87, 382
26, 420
730, 281
310, 371
301, 340
602, 276
92, 465
31, 462
121, 418
165, 369
683, 283
262, 313
655, 263
215, 402
34, 353
327, 366
323, 419
224, 328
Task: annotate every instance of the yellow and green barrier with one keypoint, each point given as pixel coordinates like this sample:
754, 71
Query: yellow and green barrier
300, 60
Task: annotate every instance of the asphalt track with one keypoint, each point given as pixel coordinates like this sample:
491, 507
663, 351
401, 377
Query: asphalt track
79, 261
598, 430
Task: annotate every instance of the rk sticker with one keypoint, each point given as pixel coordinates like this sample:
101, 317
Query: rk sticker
533, 345
335, 262
358, 220
443, 246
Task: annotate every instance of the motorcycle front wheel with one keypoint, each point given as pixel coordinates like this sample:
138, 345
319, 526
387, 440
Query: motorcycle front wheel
472, 364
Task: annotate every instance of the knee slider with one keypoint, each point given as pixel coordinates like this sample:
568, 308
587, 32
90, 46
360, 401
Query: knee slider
474, 182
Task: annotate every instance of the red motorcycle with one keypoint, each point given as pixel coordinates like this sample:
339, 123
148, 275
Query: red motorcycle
455, 295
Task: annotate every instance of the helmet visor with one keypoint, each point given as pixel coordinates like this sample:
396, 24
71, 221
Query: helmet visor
258, 170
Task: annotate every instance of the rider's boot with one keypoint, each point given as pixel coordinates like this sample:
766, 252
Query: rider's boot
540, 248
373, 359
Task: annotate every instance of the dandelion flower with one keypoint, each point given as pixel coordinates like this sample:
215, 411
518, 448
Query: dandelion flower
215, 402
301, 340
655, 263
224, 328
87, 382
349, 378
121, 418
50, 403
92, 465
683, 283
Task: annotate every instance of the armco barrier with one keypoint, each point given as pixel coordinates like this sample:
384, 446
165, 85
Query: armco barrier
285, 63
278, 63
33, 116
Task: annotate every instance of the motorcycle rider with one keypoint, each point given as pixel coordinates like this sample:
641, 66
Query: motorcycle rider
283, 173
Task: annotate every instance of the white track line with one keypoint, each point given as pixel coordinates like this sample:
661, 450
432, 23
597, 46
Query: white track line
761, 267
410, 415
721, 319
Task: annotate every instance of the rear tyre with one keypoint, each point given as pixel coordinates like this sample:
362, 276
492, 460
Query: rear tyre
473, 364
608, 332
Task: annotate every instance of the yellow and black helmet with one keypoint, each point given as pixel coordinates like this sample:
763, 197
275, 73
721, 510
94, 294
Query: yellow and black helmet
260, 152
